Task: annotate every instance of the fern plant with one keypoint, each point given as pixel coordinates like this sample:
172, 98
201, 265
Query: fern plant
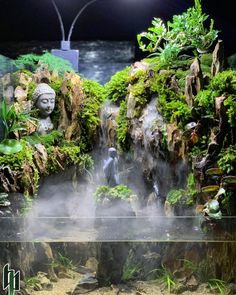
31, 61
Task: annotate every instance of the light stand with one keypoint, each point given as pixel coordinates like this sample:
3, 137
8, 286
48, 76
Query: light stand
72, 55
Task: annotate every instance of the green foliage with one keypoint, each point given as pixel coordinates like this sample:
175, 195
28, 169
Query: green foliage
71, 155
170, 103
166, 277
16, 163
230, 102
139, 90
227, 159
186, 32
89, 115
217, 285
10, 146
32, 283
191, 189
130, 269
31, 87
224, 82
177, 111
176, 197
51, 139
122, 129
117, 192
116, 88
12, 120
62, 262
205, 101
204, 274
31, 62
183, 197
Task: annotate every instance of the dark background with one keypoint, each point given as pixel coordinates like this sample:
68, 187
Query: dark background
28, 20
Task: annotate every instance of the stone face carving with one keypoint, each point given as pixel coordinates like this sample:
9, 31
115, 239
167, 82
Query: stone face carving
110, 168
44, 100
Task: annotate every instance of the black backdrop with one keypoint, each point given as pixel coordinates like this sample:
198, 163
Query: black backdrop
26, 20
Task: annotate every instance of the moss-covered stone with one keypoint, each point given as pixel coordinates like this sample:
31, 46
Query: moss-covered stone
116, 89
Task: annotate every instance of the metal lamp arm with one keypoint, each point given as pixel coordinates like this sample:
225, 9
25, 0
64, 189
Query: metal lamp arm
77, 16
60, 20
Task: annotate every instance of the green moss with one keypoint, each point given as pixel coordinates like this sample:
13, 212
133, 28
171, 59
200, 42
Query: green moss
227, 159
89, 116
224, 82
181, 76
16, 162
31, 88
117, 192
140, 90
123, 136
170, 103
177, 111
31, 61
65, 156
116, 88
56, 85
205, 102
230, 102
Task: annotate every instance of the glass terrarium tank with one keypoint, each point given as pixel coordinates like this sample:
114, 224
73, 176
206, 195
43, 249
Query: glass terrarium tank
117, 148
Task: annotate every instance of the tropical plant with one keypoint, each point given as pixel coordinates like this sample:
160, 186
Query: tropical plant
185, 32
12, 121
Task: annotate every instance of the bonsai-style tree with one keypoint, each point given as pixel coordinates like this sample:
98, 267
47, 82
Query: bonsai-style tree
186, 32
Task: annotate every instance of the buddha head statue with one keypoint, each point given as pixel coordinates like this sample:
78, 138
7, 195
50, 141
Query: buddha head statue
44, 99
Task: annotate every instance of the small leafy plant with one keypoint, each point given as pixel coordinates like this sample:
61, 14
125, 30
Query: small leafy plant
218, 285
185, 32
32, 283
62, 262
130, 269
166, 277
12, 122
227, 159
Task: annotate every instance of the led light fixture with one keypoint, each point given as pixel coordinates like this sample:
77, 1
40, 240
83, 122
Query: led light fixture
72, 55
